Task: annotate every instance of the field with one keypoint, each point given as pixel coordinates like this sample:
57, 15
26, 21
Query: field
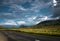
38, 29
44, 30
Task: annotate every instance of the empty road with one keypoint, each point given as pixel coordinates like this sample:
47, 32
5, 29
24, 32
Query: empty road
19, 36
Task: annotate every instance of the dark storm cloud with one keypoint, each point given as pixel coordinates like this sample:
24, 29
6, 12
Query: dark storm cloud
57, 0
56, 12
56, 9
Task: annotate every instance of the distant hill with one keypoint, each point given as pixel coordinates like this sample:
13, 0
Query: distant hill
50, 22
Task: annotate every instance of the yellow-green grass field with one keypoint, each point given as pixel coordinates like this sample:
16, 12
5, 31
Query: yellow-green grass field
38, 30
48, 30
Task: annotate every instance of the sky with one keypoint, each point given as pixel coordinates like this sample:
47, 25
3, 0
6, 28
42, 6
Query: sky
28, 12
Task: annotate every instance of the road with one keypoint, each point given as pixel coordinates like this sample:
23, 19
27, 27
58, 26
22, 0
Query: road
19, 36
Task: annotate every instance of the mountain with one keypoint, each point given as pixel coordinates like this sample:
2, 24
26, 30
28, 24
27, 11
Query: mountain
50, 22
47, 23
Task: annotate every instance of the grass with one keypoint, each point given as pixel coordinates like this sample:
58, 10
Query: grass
38, 30
45, 30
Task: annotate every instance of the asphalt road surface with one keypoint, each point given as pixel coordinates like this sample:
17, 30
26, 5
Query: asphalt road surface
19, 36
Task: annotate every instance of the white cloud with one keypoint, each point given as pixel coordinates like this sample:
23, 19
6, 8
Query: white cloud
13, 22
34, 17
37, 19
21, 22
17, 7
54, 2
9, 22
31, 19
40, 18
45, 18
37, 22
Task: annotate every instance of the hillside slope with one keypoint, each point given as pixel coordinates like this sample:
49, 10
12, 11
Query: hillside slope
51, 22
